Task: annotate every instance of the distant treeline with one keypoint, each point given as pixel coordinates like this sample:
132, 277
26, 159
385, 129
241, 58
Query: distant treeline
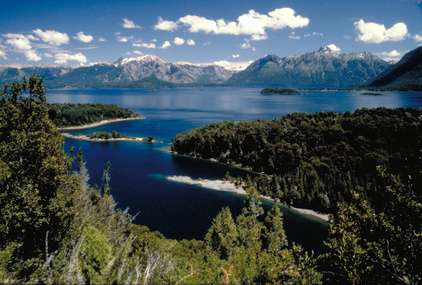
279, 91
64, 115
317, 160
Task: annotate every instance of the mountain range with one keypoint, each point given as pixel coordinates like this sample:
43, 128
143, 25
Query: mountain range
325, 68
404, 75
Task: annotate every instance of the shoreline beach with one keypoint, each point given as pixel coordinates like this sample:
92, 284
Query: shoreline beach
221, 185
100, 123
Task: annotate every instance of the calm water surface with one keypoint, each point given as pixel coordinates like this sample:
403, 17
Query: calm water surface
138, 169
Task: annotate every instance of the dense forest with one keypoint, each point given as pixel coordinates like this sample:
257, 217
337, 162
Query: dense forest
57, 228
64, 115
316, 160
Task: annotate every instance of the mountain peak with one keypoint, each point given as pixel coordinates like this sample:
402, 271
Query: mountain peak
329, 49
142, 58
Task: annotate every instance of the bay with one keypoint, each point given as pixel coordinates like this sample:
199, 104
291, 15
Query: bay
138, 170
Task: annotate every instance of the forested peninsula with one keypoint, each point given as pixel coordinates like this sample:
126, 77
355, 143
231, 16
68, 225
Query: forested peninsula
87, 115
57, 228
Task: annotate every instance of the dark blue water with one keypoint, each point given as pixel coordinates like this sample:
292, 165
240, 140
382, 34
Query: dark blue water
138, 169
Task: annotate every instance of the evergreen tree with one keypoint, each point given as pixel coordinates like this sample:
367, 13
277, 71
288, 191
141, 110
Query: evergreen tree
105, 187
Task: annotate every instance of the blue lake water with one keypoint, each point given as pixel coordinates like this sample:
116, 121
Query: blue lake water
138, 169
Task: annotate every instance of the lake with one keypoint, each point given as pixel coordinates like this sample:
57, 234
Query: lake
138, 171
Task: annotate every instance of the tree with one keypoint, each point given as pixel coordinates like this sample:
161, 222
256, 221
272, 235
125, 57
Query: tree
105, 187
222, 235
36, 189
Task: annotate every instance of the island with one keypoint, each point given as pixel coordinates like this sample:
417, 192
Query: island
279, 91
109, 137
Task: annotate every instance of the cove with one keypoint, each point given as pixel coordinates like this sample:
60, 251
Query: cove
182, 211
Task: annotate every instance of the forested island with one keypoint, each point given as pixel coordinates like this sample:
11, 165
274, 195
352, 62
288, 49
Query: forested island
57, 228
109, 137
67, 115
279, 91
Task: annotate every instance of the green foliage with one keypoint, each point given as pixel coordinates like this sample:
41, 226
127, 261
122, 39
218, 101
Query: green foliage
367, 245
316, 160
36, 190
64, 115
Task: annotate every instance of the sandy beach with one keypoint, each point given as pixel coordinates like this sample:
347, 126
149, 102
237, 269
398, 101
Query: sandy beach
86, 138
221, 185
103, 122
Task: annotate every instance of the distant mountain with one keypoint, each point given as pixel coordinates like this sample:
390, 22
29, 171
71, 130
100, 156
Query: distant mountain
404, 75
322, 68
124, 72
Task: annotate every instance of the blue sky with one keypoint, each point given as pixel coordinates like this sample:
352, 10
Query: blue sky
85, 32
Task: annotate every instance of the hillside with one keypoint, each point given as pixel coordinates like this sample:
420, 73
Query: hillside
404, 75
322, 68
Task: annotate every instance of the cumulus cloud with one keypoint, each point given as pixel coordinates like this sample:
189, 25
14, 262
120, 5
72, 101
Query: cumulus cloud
333, 47
377, 33
247, 45
138, 52
417, 38
393, 53
165, 45
31, 55
102, 40
21, 44
128, 24
235, 55
190, 42
259, 37
124, 39
144, 45
166, 25
63, 58
178, 41
52, 37
253, 23
83, 38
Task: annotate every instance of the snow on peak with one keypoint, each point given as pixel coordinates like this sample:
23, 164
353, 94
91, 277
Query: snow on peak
142, 58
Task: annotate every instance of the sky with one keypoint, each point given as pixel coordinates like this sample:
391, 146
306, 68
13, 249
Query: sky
218, 31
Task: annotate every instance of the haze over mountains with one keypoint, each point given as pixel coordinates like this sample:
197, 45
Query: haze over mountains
325, 68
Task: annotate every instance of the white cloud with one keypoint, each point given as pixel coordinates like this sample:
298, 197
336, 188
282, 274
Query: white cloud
247, 45
124, 39
3, 54
128, 24
145, 45
333, 47
253, 23
393, 53
292, 36
259, 37
83, 38
377, 33
52, 37
63, 58
19, 42
222, 63
178, 41
166, 25
102, 40
417, 38
48, 55
190, 42
165, 45
235, 55
138, 52
32, 56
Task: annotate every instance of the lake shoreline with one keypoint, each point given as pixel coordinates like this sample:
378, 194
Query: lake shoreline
86, 138
226, 186
100, 123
